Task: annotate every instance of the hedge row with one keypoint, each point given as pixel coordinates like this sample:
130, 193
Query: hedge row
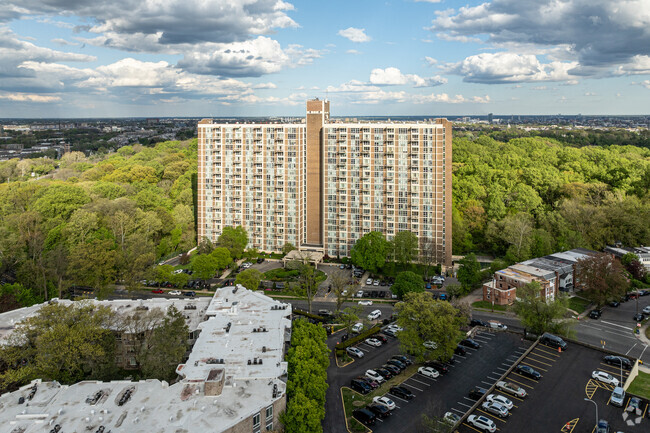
340, 348
309, 315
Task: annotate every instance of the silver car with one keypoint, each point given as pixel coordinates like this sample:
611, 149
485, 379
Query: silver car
495, 409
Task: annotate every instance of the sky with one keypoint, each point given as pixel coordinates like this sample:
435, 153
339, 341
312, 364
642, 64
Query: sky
214, 58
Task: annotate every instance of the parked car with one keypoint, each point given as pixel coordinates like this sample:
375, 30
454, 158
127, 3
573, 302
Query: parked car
430, 345
638, 317
634, 406
618, 397
373, 342
374, 315
386, 374
477, 393
157, 291
375, 376
482, 423
602, 427
357, 327
360, 386
498, 398
451, 418
392, 368
354, 351
365, 302
364, 416
478, 322
468, 342
403, 359
369, 282
614, 304
618, 361
511, 388
596, 313
528, 371
443, 297
379, 410
381, 337
495, 409
553, 341
428, 372
190, 294
175, 292
646, 310
438, 365
601, 376
402, 392
359, 294
397, 364
390, 404
460, 350
495, 324
373, 383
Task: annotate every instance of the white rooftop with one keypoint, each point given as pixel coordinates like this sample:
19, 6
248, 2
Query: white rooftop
154, 406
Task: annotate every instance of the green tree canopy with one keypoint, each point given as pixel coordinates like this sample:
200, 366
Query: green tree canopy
204, 266
405, 247
222, 257
407, 282
538, 314
249, 278
235, 239
469, 273
602, 278
370, 251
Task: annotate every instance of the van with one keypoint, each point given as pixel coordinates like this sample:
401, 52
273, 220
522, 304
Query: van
618, 396
495, 324
357, 327
374, 315
365, 416
553, 341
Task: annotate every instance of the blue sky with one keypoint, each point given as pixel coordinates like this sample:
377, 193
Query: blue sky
83, 58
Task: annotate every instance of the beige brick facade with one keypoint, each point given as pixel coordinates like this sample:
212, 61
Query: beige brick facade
323, 184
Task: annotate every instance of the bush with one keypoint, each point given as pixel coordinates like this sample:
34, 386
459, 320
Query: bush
362, 336
281, 274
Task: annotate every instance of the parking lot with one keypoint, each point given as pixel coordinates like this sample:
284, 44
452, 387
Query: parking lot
433, 397
556, 402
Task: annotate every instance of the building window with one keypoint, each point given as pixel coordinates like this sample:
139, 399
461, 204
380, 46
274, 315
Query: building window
256, 420
269, 413
269, 426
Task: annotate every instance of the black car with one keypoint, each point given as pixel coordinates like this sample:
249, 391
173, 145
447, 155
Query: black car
596, 313
478, 322
402, 392
618, 361
638, 317
468, 342
360, 386
379, 410
395, 363
260, 260
403, 359
364, 416
460, 350
440, 366
644, 292
368, 381
477, 393
380, 337
384, 373
614, 303
190, 294
527, 371
392, 368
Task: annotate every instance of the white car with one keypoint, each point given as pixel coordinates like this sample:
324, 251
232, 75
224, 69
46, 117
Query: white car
369, 282
451, 418
373, 342
395, 327
646, 310
601, 376
495, 324
359, 294
495, 409
375, 376
385, 401
374, 315
430, 345
511, 388
354, 351
428, 372
344, 292
482, 423
497, 398
365, 302
375, 283
174, 293
177, 271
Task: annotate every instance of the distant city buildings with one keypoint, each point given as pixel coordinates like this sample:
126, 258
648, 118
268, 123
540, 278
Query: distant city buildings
321, 184
233, 381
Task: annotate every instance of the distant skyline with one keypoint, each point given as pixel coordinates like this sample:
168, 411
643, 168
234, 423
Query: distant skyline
145, 58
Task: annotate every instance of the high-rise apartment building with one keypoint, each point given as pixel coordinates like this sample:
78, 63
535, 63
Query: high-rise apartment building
322, 184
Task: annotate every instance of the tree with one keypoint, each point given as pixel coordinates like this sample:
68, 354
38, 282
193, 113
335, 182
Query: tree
222, 257
339, 282
251, 254
93, 264
307, 280
634, 266
235, 239
287, 248
370, 251
204, 266
407, 282
469, 273
405, 248
601, 277
538, 314
249, 278
163, 273
429, 255
349, 316
425, 319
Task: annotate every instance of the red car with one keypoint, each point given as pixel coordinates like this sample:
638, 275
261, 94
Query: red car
157, 291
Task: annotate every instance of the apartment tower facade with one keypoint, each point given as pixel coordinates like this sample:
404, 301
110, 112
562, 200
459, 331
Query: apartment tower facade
322, 184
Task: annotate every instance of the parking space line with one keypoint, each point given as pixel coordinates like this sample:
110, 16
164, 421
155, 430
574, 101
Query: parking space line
493, 378
542, 356
525, 377
468, 425
397, 398
487, 383
414, 387
463, 404
419, 381
482, 340
522, 384
502, 369
459, 411
611, 369
537, 361
491, 416
545, 350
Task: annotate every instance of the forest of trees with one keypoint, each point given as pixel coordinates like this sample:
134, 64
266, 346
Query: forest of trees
93, 222
533, 196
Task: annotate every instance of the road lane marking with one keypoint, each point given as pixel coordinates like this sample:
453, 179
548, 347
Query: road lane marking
627, 328
631, 348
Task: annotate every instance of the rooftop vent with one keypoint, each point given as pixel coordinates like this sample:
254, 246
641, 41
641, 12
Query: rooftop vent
228, 326
125, 397
32, 392
56, 429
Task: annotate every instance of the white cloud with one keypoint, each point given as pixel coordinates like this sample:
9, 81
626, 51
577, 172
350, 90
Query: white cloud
504, 67
457, 38
63, 42
354, 34
353, 52
644, 83
637, 65
394, 77
430, 61
265, 86
26, 97
428, 1
352, 86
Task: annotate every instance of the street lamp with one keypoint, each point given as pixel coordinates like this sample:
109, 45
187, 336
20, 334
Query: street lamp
586, 399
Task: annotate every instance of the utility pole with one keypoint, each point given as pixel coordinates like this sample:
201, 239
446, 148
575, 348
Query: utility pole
586, 399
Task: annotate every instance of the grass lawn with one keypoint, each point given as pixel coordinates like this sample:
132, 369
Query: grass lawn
641, 385
578, 304
488, 305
